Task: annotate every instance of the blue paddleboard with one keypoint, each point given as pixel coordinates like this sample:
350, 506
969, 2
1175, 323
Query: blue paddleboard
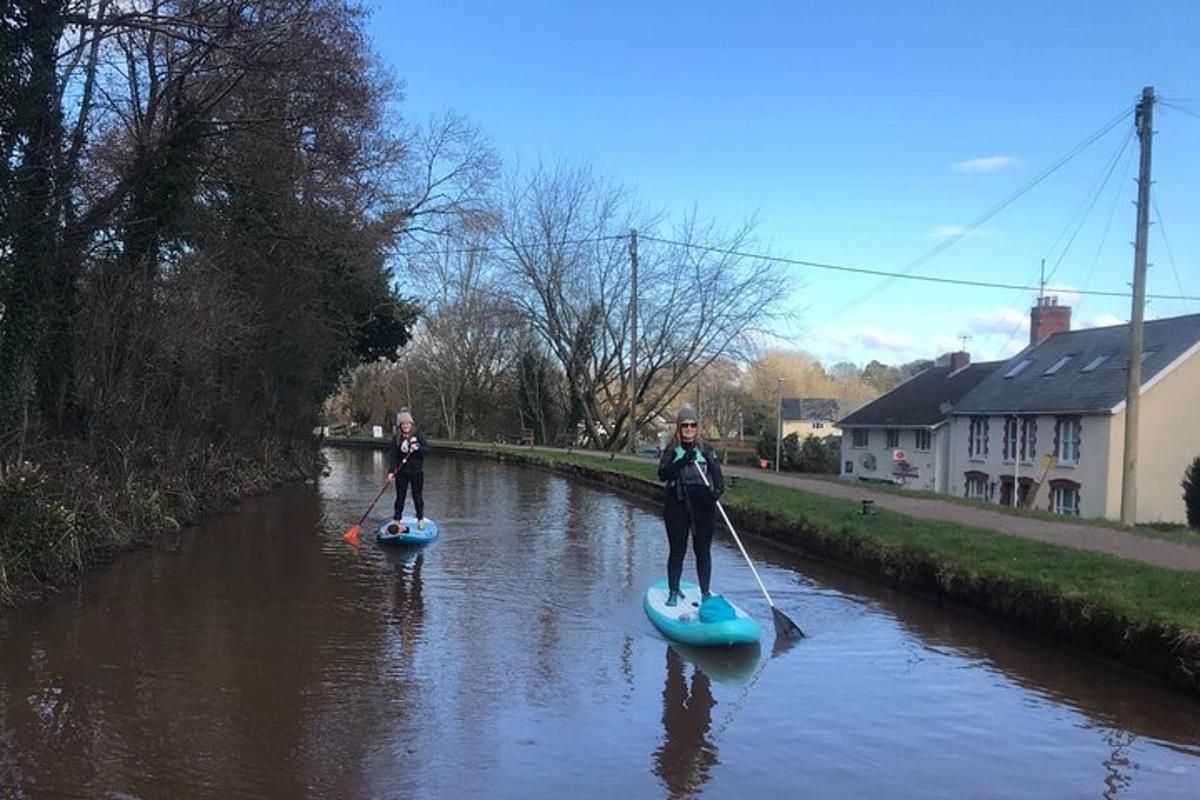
390, 533
702, 623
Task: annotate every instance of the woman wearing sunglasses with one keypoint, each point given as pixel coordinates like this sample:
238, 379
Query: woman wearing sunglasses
689, 503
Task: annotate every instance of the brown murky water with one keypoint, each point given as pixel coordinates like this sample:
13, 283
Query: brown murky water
259, 656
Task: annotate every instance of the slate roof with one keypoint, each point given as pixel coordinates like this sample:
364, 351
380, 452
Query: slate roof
1073, 387
919, 400
809, 408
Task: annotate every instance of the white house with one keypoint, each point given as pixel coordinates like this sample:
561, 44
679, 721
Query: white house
903, 436
809, 416
1051, 420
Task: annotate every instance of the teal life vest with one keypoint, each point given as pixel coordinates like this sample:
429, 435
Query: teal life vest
680, 451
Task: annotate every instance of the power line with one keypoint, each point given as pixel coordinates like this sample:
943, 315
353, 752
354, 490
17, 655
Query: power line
1181, 109
507, 247
884, 273
1112, 212
1112, 165
993, 211
1067, 227
799, 263
1170, 255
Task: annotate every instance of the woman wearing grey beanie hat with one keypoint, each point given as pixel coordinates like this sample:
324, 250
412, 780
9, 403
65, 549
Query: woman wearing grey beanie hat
690, 503
408, 466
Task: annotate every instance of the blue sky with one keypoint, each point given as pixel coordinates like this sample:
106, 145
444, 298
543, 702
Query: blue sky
856, 133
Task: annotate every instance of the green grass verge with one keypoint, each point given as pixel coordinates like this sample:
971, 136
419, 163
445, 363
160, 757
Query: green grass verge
1141, 593
1166, 531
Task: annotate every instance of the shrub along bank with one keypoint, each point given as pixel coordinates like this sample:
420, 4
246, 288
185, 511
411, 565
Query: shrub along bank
75, 508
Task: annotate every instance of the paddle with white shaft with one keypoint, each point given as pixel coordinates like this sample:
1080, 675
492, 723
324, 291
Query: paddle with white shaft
783, 625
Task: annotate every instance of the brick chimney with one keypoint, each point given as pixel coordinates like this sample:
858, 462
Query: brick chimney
955, 361
1046, 318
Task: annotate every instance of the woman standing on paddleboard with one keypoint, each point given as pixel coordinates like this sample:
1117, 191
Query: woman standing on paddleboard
689, 503
408, 467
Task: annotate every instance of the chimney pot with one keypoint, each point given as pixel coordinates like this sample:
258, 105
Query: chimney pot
1046, 318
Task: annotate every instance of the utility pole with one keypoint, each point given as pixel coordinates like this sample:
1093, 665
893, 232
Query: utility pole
633, 258
779, 427
1144, 124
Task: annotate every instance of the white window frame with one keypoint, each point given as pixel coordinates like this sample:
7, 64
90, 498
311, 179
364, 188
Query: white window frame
976, 482
1069, 448
1058, 494
927, 438
977, 439
866, 438
1029, 432
892, 437
1011, 445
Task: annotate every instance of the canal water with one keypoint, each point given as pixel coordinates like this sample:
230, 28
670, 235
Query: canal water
258, 655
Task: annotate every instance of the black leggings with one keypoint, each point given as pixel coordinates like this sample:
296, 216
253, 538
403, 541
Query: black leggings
677, 518
417, 481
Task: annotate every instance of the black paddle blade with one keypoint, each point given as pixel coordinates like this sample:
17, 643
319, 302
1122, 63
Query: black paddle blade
784, 627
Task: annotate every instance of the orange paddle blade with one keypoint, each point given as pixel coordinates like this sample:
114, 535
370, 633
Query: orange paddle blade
351, 535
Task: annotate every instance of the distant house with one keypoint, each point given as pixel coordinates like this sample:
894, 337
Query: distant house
904, 436
806, 416
1050, 422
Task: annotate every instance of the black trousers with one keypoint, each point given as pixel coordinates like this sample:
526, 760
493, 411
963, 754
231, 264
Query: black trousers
695, 512
403, 481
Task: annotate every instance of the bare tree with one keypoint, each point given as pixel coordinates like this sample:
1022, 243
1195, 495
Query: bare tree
566, 249
467, 343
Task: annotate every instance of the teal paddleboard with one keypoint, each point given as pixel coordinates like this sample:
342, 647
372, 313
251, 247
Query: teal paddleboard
698, 622
406, 532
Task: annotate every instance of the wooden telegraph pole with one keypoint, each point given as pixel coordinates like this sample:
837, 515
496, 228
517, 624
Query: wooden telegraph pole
1144, 124
633, 345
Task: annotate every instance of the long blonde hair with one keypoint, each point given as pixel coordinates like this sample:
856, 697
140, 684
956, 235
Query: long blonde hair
676, 441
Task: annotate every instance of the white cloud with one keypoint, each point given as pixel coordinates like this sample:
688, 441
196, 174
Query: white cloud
873, 338
1000, 321
1104, 320
946, 344
989, 164
947, 231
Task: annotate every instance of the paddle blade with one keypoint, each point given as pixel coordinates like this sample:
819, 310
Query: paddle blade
351, 535
784, 627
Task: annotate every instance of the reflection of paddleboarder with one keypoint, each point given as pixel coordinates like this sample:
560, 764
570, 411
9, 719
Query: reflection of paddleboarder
686, 755
409, 608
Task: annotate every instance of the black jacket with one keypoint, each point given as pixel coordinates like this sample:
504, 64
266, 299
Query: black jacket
414, 447
682, 473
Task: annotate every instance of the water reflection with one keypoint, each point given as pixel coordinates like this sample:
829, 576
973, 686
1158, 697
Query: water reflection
262, 657
733, 666
1118, 766
408, 602
687, 755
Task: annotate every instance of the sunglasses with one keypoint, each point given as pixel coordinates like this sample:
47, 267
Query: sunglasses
687, 424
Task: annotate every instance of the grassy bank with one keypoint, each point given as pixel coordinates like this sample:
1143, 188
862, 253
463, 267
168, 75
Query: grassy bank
1145, 616
72, 507
1155, 530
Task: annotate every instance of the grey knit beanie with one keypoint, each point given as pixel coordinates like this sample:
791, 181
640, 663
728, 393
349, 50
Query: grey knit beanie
686, 414
403, 417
